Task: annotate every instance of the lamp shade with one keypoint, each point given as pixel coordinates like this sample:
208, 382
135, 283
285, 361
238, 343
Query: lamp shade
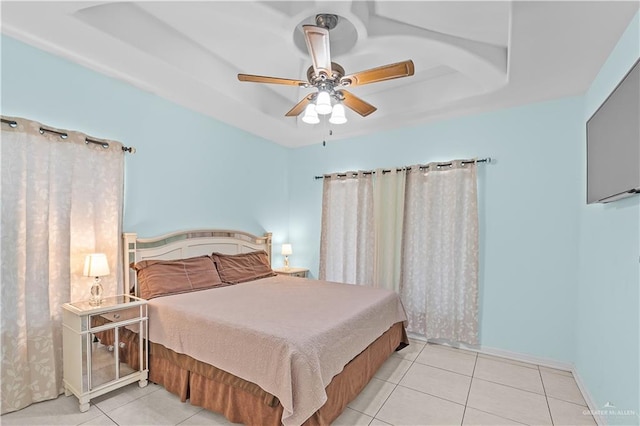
286, 249
338, 115
310, 116
96, 265
323, 103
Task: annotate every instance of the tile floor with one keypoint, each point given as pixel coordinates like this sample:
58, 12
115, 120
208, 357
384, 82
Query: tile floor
420, 385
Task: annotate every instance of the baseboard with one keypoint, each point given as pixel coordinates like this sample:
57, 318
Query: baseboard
501, 353
517, 356
559, 365
595, 411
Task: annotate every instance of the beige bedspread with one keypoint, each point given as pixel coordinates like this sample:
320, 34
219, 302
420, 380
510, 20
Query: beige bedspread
289, 335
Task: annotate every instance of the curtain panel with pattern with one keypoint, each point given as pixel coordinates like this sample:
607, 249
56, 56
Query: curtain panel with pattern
439, 282
61, 200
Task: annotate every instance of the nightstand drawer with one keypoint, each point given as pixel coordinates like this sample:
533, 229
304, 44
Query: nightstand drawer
115, 317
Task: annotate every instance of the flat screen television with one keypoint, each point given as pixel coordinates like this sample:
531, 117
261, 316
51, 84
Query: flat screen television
613, 143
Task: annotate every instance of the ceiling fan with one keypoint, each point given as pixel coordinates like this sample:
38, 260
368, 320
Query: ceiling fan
330, 79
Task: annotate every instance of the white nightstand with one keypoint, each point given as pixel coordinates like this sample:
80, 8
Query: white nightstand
105, 346
292, 272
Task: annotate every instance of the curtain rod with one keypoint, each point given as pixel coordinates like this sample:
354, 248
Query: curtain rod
64, 135
373, 172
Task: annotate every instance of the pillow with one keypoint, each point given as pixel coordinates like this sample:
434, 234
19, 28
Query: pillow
164, 277
239, 268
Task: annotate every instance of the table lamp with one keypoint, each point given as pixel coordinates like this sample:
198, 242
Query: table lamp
286, 251
96, 265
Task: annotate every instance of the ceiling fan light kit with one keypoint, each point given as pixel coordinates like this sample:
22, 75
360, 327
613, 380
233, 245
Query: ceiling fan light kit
338, 115
329, 78
310, 115
323, 103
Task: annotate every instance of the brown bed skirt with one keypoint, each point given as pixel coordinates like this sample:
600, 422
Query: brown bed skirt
244, 402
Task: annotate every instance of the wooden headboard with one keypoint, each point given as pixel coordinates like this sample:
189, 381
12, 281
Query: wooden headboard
184, 244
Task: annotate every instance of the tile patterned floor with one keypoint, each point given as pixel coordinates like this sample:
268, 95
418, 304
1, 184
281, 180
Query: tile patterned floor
420, 385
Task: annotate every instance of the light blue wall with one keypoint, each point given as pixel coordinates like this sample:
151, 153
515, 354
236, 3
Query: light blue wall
608, 321
190, 171
546, 257
528, 213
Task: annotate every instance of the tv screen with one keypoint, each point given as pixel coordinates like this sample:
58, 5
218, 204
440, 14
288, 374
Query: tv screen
613, 143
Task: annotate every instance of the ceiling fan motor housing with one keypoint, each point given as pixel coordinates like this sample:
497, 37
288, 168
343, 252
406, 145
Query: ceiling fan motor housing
337, 72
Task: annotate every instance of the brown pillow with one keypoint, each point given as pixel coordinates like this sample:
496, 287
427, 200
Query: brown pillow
239, 268
164, 277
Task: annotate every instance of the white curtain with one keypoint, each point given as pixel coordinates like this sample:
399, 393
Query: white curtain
388, 202
61, 200
347, 243
439, 283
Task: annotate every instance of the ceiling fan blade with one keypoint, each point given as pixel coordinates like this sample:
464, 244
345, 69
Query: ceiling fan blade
271, 80
383, 73
358, 105
300, 106
317, 39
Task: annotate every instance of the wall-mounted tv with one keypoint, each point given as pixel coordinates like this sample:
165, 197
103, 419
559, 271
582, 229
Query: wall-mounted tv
613, 143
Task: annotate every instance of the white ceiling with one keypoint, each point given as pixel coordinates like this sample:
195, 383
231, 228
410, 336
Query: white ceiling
470, 56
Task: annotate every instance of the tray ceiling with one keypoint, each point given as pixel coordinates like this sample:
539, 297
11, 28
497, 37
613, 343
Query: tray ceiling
469, 56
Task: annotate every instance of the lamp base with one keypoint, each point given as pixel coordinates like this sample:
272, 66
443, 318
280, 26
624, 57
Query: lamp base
286, 263
96, 293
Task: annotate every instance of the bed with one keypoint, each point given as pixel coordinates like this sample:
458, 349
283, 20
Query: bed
269, 350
